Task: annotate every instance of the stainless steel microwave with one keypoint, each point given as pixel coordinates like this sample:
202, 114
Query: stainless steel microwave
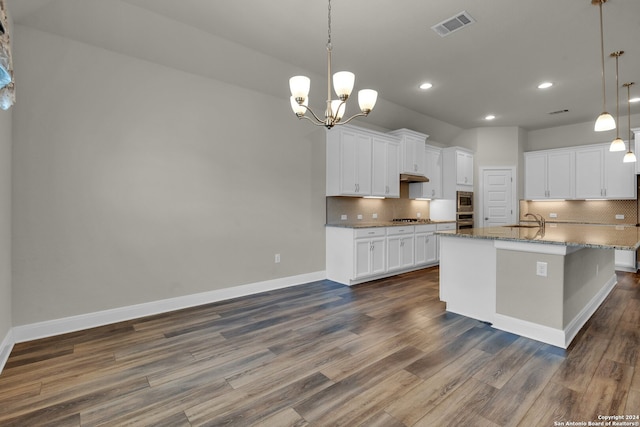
464, 201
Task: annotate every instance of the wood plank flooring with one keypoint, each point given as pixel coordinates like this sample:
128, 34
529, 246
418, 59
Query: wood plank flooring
383, 353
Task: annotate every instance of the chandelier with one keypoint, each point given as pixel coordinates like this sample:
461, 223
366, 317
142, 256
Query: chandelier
342, 82
605, 120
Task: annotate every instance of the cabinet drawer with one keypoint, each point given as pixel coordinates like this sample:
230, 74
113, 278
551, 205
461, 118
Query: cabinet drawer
425, 228
394, 231
369, 232
447, 226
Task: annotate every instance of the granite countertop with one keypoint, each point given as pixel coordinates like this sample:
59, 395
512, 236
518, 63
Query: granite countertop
623, 237
372, 224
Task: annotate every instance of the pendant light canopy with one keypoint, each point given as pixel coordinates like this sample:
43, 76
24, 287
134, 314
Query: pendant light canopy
605, 120
629, 157
618, 143
343, 82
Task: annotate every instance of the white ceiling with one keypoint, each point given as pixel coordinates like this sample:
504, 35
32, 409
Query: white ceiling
492, 66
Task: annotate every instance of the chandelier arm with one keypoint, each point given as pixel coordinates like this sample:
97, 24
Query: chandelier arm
315, 122
313, 114
351, 118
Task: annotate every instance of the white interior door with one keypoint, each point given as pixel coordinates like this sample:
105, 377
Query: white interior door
497, 195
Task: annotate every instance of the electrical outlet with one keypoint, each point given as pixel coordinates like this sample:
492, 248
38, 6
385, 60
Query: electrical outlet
359, 216
541, 269
418, 215
553, 215
343, 217
277, 260
374, 216
619, 216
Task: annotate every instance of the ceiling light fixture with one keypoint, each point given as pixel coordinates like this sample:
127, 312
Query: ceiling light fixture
617, 144
343, 83
425, 86
490, 117
629, 157
545, 85
605, 120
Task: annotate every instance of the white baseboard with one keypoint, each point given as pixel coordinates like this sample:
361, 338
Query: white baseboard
90, 320
557, 337
5, 349
578, 322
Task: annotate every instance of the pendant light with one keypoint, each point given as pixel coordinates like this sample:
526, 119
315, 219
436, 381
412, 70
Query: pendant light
629, 157
618, 143
343, 84
605, 121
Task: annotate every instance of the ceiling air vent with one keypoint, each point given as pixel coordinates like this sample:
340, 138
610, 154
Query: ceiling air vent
453, 24
558, 112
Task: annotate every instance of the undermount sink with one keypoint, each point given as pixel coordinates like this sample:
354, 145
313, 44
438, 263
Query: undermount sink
521, 226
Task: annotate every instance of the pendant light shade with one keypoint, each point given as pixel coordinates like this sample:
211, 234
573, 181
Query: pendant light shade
617, 145
605, 120
629, 157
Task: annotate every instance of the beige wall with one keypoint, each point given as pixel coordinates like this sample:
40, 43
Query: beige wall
5, 224
135, 182
577, 134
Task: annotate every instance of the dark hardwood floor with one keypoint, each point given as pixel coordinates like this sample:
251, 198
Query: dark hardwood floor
378, 354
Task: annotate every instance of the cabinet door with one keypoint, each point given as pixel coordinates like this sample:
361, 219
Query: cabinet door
379, 181
378, 256
393, 169
407, 251
432, 248
355, 167
433, 161
394, 252
420, 163
619, 177
425, 252
560, 175
589, 167
363, 258
535, 178
464, 168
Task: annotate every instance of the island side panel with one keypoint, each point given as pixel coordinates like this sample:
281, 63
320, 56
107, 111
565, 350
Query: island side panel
589, 277
468, 276
522, 294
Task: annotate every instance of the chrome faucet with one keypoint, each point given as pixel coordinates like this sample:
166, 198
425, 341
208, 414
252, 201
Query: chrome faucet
539, 219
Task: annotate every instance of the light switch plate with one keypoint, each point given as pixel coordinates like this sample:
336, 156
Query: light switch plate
619, 216
541, 269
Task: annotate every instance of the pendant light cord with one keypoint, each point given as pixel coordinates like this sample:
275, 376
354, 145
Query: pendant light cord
604, 92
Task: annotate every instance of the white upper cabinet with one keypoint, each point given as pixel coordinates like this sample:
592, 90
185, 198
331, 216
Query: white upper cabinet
412, 158
362, 163
457, 171
433, 188
586, 172
385, 179
348, 163
549, 174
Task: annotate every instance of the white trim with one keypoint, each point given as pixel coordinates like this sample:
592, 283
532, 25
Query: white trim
90, 320
5, 349
572, 329
531, 330
558, 337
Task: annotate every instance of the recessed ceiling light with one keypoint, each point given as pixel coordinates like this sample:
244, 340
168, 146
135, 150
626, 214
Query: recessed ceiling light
637, 99
490, 117
545, 85
425, 86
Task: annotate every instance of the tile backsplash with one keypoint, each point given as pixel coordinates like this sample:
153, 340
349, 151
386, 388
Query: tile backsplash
386, 209
589, 211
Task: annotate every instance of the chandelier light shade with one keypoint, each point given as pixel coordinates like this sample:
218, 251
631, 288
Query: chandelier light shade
343, 82
605, 120
617, 144
629, 157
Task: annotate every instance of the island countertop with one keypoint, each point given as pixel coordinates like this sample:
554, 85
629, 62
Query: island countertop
622, 237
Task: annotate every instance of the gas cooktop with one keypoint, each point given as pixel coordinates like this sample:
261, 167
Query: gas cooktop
410, 220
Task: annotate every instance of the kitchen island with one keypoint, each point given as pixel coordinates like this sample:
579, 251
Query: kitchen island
543, 282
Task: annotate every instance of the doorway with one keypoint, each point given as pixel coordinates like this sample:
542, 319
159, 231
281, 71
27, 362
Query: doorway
498, 193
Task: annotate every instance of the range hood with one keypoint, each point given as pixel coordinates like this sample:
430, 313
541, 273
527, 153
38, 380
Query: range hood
405, 177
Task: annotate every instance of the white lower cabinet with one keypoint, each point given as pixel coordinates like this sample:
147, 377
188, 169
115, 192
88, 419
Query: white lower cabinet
426, 245
400, 241
362, 254
370, 254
